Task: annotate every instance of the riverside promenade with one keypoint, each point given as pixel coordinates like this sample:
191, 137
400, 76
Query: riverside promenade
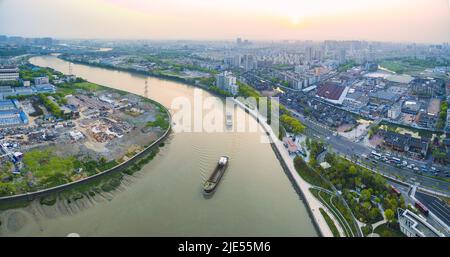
311, 202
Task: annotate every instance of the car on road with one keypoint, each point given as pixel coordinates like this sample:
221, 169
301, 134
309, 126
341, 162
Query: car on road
434, 169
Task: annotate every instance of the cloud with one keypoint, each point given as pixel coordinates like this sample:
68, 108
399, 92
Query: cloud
386, 20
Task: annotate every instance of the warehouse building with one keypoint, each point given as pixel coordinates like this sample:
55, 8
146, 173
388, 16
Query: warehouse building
9, 73
11, 114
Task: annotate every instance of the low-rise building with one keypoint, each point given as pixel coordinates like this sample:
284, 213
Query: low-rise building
332, 92
426, 86
23, 91
290, 145
413, 225
406, 143
44, 88
9, 73
394, 112
411, 107
10, 114
6, 91
41, 80
383, 97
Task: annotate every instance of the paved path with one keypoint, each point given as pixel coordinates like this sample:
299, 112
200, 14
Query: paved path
379, 223
312, 202
334, 213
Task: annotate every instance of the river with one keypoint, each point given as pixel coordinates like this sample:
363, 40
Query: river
255, 197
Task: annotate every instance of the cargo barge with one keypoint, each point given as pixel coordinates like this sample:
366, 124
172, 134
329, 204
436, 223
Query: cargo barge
211, 184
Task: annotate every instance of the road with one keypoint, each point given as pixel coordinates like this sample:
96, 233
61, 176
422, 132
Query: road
435, 205
351, 149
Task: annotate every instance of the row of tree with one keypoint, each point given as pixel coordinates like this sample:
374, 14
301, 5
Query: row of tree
363, 190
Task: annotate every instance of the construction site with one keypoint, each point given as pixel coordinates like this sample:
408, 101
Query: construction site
65, 134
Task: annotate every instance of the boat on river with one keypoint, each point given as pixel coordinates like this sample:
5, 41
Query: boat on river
211, 184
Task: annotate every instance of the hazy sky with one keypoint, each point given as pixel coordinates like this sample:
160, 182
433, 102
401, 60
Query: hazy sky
384, 20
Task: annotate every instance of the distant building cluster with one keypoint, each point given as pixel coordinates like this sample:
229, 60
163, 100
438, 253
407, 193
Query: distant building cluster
247, 62
45, 41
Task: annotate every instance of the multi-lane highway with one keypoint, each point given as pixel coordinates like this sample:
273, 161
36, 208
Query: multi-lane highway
436, 206
351, 149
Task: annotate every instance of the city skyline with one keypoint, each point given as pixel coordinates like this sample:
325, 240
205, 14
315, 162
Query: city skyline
225, 118
261, 20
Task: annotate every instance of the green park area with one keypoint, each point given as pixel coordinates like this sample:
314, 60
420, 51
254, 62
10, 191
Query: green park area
442, 118
366, 194
160, 121
330, 223
48, 168
28, 72
408, 65
387, 230
247, 91
291, 124
363, 190
309, 174
72, 87
45, 169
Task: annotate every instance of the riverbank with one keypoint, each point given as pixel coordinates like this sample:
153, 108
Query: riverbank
301, 187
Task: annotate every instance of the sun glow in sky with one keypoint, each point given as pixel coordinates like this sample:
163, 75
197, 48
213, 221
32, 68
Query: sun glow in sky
384, 20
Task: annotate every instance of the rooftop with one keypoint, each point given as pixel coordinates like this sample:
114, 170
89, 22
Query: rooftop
384, 95
330, 90
419, 225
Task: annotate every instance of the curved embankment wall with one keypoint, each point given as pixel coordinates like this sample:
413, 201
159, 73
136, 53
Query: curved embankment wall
287, 172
